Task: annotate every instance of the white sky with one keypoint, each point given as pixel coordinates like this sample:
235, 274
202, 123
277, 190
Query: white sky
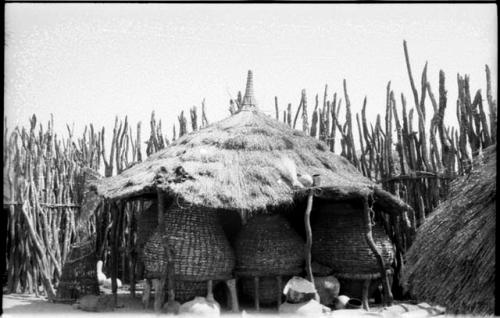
86, 63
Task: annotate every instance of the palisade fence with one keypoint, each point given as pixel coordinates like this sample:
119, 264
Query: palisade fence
44, 173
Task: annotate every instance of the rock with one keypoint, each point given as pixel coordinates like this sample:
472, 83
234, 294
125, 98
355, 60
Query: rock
348, 313
171, 307
320, 269
328, 289
299, 290
95, 303
310, 308
200, 306
341, 302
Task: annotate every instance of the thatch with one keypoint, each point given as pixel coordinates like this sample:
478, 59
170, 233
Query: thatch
239, 163
452, 260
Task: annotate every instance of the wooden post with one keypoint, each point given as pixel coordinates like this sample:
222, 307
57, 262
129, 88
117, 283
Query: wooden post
366, 288
256, 292
388, 298
280, 291
307, 222
146, 293
160, 283
114, 250
168, 275
210, 290
231, 285
161, 207
131, 248
159, 293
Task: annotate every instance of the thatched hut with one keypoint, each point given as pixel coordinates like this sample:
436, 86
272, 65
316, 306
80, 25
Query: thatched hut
452, 260
242, 165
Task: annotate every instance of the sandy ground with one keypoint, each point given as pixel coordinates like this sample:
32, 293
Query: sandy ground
22, 305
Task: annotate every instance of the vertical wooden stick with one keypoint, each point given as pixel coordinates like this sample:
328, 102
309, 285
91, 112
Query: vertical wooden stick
114, 251
388, 298
280, 289
307, 222
256, 292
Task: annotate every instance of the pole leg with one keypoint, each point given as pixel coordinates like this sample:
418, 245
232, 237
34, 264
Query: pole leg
210, 291
366, 288
159, 294
231, 285
280, 291
146, 294
387, 291
256, 292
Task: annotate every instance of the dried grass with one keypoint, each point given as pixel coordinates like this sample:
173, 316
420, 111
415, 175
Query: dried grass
452, 261
236, 163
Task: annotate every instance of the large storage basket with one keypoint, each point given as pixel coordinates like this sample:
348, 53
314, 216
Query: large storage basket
79, 273
267, 245
199, 246
339, 241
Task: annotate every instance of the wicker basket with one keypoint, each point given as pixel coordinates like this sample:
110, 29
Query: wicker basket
267, 245
186, 290
79, 273
199, 246
339, 242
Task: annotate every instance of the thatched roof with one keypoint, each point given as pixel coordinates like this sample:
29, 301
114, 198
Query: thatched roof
238, 163
452, 260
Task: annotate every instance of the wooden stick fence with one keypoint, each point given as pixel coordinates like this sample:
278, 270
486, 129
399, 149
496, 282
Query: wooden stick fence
44, 173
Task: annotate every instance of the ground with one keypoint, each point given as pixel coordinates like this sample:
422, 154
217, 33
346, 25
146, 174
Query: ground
26, 305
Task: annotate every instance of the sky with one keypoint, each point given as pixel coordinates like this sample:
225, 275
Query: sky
87, 63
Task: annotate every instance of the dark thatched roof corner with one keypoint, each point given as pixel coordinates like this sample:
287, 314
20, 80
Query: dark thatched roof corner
452, 260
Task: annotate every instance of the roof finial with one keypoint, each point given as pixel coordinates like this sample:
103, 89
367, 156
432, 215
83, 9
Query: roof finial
249, 102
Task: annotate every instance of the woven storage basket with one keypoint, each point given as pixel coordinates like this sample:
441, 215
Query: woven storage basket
187, 290
267, 245
200, 249
79, 273
268, 289
339, 242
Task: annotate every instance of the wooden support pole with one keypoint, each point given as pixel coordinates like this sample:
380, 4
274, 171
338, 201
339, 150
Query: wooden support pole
231, 285
388, 298
161, 207
366, 288
131, 248
256, 292
210, 290
168, 275
307, 222
159, 293
146, 294
115, 219
280, 289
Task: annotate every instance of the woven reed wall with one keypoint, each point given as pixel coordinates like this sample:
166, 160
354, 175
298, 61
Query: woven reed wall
339, 242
